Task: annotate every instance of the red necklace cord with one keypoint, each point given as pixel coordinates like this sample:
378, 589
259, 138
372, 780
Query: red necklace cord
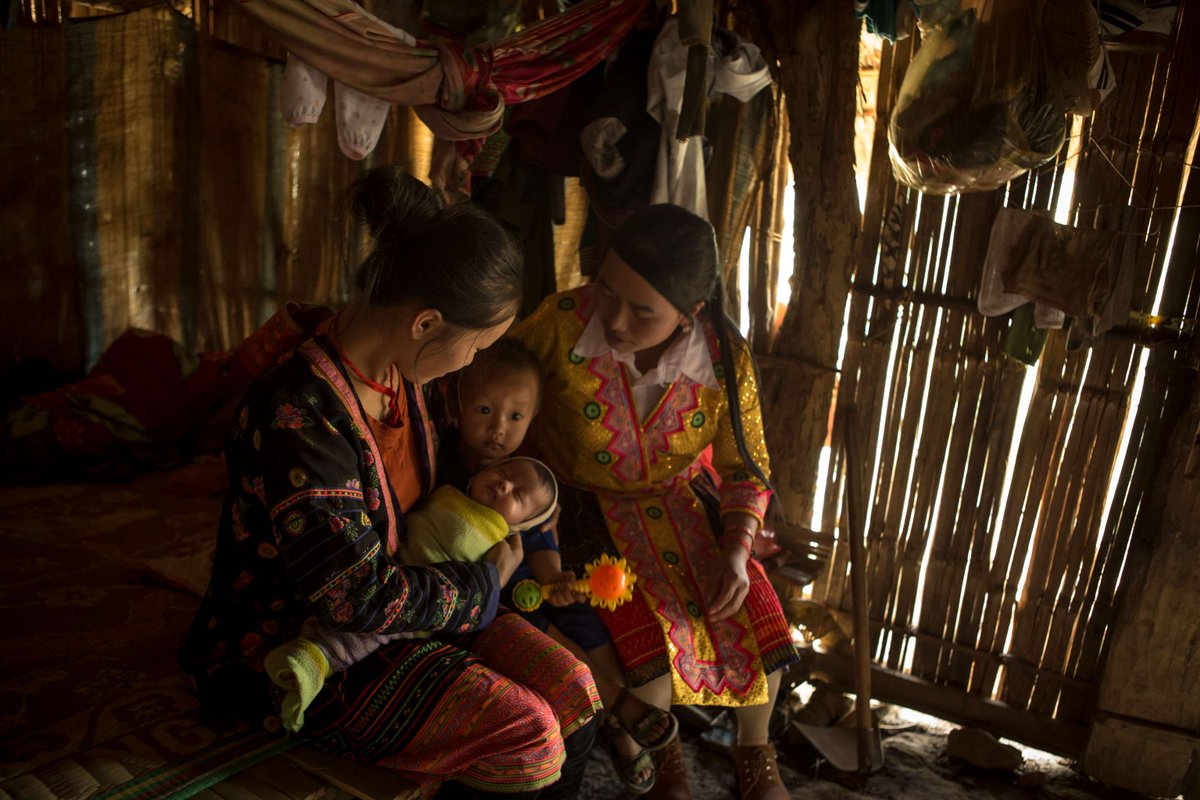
390, 392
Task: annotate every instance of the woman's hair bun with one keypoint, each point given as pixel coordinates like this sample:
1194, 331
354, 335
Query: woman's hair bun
389, 201
406, 246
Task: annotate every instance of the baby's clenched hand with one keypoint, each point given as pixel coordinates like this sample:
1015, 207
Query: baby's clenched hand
560, 592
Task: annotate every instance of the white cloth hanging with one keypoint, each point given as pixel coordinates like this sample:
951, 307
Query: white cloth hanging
679, 175
359, 116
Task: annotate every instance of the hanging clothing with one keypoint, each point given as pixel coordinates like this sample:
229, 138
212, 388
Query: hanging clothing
1025, 338
740, 71
459, 91
527, 199
620, 146
358, 116
1066, 271
633, 485
1077, 63
619, 139
881, 17
1119, 17
744, 134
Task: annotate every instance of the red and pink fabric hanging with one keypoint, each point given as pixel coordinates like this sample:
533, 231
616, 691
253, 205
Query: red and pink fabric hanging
459, 91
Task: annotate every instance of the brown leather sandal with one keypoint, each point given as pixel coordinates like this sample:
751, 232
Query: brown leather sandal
628, 769
758, 773
648, 718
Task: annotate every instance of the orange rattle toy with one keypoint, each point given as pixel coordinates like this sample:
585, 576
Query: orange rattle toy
608, 583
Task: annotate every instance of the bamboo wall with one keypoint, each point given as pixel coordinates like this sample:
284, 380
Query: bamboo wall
996, 587
155, 184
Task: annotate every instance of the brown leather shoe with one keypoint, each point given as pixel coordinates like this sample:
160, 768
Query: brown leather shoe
671, 777
758, 774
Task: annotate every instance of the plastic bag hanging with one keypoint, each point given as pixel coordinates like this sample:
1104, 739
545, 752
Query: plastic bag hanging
976, 106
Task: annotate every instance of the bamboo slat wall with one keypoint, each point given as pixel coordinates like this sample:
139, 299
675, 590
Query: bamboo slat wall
182, 174
1004, 587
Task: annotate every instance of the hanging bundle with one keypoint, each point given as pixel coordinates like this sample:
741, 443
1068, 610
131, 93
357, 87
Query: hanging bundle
977, 106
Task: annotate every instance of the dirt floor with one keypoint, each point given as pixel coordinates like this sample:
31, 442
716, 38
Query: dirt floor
916, 767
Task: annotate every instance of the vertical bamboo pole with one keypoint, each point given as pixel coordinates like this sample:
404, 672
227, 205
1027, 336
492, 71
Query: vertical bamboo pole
864, 724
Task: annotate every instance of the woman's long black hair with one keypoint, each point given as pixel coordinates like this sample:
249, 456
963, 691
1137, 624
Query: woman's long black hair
676, 252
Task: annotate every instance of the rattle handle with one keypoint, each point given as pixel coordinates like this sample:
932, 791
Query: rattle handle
578, 585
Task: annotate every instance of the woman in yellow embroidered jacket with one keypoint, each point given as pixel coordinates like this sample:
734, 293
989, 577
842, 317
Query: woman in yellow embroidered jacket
643, 373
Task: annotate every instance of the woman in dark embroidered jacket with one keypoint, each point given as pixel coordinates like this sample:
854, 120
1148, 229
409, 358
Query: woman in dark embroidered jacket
330, 447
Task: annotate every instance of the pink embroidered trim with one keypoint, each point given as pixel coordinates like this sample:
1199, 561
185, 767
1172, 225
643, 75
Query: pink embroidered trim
672, 416
330, 372
336, 579
744, 496
624, 444
353, 494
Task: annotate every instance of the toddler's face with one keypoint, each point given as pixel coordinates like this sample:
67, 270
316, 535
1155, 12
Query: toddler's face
511, 488
495, 411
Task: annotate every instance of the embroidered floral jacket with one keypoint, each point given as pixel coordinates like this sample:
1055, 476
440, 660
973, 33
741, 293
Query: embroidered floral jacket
306, 526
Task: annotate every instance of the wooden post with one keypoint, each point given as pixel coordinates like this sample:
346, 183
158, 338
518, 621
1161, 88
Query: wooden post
1144, 735
813, 46
864, 723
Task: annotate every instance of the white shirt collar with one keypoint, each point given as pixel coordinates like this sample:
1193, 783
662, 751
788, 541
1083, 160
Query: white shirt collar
688, 354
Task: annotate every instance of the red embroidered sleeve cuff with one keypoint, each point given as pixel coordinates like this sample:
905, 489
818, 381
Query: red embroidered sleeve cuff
745, 496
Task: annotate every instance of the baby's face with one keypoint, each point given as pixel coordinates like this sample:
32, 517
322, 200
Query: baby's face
511, 488
495, 411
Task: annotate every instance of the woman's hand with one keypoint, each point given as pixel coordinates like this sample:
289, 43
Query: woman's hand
560, 592
733, 584
507, 556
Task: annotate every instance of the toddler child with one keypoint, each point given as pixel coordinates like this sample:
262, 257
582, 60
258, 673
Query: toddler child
490, 405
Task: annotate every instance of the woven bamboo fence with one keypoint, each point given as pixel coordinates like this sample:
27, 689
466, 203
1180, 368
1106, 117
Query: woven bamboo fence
184, 212
1000, 515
